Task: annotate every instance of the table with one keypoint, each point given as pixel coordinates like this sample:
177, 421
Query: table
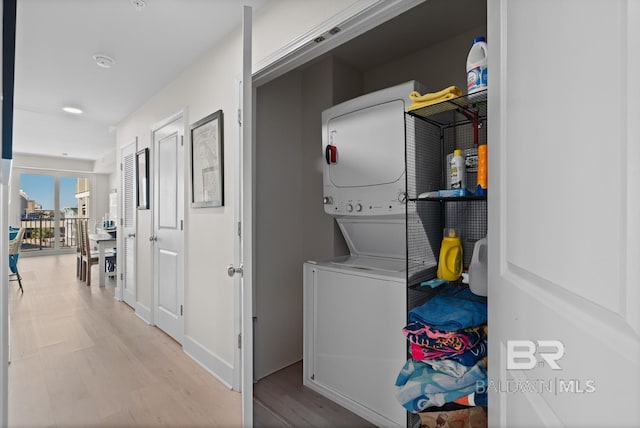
104, 241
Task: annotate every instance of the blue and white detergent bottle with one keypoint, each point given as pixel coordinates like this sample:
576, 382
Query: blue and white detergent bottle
477, 66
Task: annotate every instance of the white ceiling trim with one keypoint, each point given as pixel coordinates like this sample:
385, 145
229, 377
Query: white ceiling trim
352, 22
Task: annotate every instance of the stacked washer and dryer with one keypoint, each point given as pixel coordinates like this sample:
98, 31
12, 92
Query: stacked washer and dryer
355, 306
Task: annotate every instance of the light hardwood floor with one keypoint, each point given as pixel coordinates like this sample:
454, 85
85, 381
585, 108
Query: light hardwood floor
80, 358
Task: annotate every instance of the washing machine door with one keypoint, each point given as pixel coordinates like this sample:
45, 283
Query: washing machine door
354, 347
369, 145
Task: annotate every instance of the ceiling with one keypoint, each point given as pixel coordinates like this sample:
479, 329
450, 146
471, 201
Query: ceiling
57, 39
55, 44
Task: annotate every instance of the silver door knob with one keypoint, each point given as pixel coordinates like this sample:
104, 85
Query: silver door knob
153, 238
232, 270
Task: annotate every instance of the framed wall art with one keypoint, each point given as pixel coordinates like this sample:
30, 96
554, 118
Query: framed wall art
207, 162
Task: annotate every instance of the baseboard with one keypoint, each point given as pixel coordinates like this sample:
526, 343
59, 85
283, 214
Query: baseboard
143, 312
280, 367
209, 361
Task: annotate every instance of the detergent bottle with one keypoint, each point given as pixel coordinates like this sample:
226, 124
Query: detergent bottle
481, 188
450, 261
478, 268
477, 66
458, 170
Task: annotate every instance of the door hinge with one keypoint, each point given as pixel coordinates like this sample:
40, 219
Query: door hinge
180, 310
121, 276
120, 166
240, 117
121, 222
239, 341
181, 224
240, 229
182, 140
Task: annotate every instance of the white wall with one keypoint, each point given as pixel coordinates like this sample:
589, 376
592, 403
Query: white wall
23, 160
279, 22
108, 165
206, 86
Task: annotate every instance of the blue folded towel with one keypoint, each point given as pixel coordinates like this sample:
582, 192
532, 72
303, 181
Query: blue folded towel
420, 386
452, 309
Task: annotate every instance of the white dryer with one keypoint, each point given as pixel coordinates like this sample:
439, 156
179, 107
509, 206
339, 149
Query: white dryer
355, 306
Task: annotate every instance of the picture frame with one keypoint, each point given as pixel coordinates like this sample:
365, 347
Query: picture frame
142, 179
207, 161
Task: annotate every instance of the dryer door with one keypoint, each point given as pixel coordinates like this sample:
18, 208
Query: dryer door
369, 146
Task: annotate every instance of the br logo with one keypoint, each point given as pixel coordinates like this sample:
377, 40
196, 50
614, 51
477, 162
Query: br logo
521, 354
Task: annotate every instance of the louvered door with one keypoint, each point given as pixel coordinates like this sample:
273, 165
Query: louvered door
128, 225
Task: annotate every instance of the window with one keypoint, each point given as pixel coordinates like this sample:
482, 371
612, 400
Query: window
49, 209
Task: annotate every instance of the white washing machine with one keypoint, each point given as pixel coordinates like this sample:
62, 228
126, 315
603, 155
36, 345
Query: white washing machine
354, 347
355, 306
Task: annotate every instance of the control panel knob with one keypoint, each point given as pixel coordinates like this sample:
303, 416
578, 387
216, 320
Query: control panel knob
327, 200
358, 207
349, 208
402, 197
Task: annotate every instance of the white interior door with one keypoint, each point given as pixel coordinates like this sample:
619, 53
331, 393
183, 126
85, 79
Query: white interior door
127, 233
244, 207
564, 213
168, 226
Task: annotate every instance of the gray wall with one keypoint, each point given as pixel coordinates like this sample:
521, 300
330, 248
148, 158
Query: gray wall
292, 226
437, 66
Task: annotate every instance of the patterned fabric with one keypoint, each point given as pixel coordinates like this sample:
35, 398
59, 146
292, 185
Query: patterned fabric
455, 342
450, 367
473, 399
467, 358
420, 386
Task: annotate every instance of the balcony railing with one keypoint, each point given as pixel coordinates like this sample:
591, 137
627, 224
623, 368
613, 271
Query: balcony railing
40, 233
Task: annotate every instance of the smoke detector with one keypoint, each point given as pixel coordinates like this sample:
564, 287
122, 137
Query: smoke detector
139, 4
103, 61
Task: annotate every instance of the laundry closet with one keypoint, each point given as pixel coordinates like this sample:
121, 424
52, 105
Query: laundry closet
428, 44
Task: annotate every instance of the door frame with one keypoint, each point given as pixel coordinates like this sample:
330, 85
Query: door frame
353, 21
181, 114
243, 242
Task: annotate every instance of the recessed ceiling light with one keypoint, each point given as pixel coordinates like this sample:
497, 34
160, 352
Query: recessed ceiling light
139, 4
72, 110
104, 61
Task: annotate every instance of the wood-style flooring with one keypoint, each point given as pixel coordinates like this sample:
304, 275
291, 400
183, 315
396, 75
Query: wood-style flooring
280, 400
79, 358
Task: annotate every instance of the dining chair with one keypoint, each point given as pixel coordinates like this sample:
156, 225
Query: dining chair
78, 247
14, 254
88, 259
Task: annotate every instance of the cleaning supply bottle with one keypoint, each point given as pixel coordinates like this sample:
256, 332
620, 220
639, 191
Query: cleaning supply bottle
458, 171
481, 188
477, 66
450, 260
478, 268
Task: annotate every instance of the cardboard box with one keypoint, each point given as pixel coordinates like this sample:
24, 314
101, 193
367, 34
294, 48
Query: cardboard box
472, 417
